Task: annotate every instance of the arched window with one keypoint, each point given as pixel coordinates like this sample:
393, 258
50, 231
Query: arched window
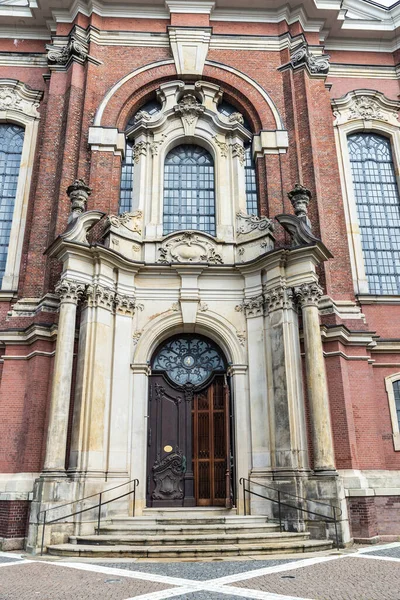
189, 196
392, 384
378, 207
126, 188
11, 142
251, 183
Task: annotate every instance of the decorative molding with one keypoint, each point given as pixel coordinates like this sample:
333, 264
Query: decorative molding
189, 247
308, 294
16, 96
129, 220
315, 64
70, 291
241, 336
365, 105
246, 223
278, 298
76, 49
300, 233
252, 307
78, 193
238, 151
190, 6
236, 117
189, 109
136, 337
155, 146
203, 307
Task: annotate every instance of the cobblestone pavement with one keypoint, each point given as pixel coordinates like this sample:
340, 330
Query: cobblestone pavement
371, 573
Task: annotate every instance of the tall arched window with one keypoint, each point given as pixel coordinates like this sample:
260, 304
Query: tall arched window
11, 142
378, 207
251, 182
189, 196
126, 187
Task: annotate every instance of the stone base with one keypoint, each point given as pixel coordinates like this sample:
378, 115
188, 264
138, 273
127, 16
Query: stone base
8, 544
374, 517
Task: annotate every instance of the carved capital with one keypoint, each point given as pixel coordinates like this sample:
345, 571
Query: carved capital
252, 307
223, 146
125, 305
316, 64
239, 152
70, 291
139, 149
78, 193
278, 298
99, 296
308, 294
76, 48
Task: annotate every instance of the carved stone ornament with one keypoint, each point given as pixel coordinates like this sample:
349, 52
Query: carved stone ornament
70, 291
253, 307
248, 223
139, 149
142, 115
308, 294
300, 198
203, 307
238, 151
130, 220
365, 105
241, 336
298, 229
278, 298
99, 296
155, 146
136, 337
16, 96
78, 193
76, 49
223, 147
168, 477
189, 108
316, 64
125, 305
236, 117
189, 247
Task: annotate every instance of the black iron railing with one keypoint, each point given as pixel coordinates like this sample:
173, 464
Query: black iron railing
98, 505
336, 512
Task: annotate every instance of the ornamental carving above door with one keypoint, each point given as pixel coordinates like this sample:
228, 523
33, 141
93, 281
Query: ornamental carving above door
189, 459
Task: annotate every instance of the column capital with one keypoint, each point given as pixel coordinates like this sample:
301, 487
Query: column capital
70, 291
98, 295
252, 307
278, 298
126, 305
308, 294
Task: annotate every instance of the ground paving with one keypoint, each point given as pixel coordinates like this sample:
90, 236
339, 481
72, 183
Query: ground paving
369, 573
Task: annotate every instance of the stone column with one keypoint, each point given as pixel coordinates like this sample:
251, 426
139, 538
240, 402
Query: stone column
70, 293
308, 295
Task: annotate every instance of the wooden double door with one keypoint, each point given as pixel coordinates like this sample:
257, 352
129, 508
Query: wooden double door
189, 451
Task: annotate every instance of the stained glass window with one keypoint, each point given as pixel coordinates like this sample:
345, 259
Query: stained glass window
378, 207
11, 142
189, 360
126, 188
396, 390
189, 197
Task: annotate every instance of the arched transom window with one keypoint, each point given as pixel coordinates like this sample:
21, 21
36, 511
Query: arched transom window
11, 142
189, 196
378, 208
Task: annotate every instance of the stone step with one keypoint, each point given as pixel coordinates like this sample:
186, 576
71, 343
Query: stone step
162, 529
188, 540
198, 551
182, 521
189, 512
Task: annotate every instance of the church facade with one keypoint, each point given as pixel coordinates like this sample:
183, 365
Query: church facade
200, 261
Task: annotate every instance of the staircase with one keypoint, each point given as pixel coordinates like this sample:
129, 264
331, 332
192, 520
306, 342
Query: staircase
187, 533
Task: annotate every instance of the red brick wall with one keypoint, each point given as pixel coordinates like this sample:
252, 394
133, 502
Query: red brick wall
13, 518
374, 515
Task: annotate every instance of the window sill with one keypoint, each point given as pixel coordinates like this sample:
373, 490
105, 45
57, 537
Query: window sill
381, 299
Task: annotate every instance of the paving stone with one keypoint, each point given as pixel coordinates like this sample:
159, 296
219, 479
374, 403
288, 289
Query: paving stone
53, 582
8, 559
207, 596
390, 552
341, 579
200, 571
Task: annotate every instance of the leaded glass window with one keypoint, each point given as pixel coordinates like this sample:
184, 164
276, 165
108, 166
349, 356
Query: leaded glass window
396, 390
126, 187
189, 196
11, 142
189, 360
378, 207
251, 183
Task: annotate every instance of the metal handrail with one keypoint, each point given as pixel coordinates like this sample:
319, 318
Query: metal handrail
82, 510
334, 508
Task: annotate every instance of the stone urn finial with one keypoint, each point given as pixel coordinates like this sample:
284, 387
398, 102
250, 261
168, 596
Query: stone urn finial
78, 193
300, 198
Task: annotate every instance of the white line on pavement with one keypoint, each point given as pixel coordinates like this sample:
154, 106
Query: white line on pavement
15, 562
374, 548
391, 558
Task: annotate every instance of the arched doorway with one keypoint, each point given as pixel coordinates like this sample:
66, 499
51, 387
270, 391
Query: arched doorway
189, 425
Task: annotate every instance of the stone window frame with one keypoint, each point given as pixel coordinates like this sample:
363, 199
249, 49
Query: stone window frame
389, 381
19, 105
362, 111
